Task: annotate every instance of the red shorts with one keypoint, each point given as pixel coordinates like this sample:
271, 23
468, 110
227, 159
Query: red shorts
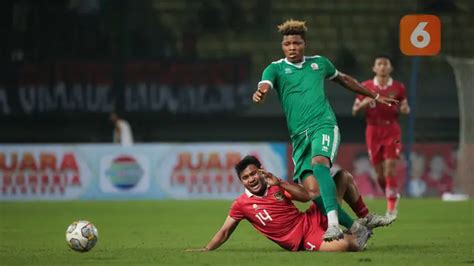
383, 142
315, 226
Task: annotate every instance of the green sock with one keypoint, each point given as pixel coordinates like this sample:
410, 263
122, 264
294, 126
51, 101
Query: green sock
344, 218
319, 202
327, 187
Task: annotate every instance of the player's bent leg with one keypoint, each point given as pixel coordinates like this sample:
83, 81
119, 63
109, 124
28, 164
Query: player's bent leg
312, 186
349, 192
328, 193
345, 182
348, 243
341, 179
326, 183
344, 218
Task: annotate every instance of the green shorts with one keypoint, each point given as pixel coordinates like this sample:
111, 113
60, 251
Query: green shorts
323, 140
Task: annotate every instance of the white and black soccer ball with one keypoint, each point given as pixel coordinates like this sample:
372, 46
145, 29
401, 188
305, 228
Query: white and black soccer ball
82, 236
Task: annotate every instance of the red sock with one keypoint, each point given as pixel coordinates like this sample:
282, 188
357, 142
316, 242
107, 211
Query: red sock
391, 192
359, 208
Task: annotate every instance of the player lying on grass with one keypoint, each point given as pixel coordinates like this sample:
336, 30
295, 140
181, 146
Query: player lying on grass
267, 205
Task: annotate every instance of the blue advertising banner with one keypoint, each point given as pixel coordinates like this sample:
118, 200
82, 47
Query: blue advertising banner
144, 171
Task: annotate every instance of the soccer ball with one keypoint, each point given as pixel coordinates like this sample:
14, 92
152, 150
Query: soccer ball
82, 236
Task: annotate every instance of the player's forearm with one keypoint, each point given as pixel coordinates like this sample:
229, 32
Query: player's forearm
352, 84
360, 106
219, 238
223, 234
297, 192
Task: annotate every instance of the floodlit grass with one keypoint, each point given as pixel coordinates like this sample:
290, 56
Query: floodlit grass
428, 232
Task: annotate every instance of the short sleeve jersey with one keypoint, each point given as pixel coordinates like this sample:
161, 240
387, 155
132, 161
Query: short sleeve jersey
300, 88
376, 113
274, 215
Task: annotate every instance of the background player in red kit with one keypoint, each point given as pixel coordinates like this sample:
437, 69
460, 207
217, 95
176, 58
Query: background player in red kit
383, 134
267, 205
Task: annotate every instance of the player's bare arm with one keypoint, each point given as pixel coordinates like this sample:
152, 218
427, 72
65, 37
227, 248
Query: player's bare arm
352, 84
259, 94
360, 105
296, 191
221, 236
404, 107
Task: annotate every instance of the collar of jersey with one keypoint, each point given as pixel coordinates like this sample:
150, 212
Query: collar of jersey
299, 65
389, 83
250, 194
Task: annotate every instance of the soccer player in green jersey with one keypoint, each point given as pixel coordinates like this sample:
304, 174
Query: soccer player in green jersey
299, 82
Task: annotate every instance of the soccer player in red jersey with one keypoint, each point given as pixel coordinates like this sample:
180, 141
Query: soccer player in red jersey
383, 134
267, 205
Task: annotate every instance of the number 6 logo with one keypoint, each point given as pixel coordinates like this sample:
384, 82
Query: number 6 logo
420, 35
420, 32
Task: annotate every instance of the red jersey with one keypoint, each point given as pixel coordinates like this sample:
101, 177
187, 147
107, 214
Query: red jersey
381, 114
277, 218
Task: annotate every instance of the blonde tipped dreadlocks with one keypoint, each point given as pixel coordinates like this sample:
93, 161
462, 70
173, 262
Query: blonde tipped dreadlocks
293, 27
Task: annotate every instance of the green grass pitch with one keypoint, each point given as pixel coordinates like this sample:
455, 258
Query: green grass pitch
428, 232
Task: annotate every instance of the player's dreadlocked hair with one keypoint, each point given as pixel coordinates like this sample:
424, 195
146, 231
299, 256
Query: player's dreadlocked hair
293, 27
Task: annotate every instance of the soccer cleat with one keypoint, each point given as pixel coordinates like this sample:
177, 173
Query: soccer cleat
373, 220
333, 233
361, 233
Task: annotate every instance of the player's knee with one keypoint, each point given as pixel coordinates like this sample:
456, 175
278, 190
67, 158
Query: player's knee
380, 174
311, 186
390, 168
320, 160
381, 177
389, 171
347, 176
335, 246
313, 193
343, 177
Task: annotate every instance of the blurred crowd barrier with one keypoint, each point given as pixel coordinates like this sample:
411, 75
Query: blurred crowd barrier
170, 87
190, 170
432, 173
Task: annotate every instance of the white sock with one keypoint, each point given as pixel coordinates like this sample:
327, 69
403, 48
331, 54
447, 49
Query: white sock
332, 218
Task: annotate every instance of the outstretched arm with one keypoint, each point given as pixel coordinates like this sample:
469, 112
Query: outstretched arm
352, 84
297, 192
221, 236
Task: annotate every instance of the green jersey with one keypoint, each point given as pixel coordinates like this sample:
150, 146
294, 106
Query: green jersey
300, 88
